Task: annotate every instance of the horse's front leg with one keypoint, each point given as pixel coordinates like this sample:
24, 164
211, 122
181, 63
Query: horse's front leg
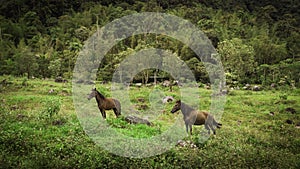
103, 113
191, 129
187, 127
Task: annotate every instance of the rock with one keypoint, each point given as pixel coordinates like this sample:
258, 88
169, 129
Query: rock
168, 99
288, 121
14, 107
239, 122
247, 87
138, 84
59, 79
298, 125
137, 120
166, 83
51, 91
144, 106
256, 88
188, 144
273, 85
181, 143
224, 91
291, 110
140, 99
207, 86
141, 106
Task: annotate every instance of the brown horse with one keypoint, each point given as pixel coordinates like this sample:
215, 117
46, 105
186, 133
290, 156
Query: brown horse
105, 103
194, 117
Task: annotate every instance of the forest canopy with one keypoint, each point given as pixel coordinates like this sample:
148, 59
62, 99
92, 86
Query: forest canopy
258, 42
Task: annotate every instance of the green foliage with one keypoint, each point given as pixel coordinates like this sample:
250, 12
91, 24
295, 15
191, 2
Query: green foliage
43, 38
237, 58
283, 73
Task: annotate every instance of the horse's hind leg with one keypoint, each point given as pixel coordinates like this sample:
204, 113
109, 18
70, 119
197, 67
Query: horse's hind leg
210, 127
117, 108
117, 113
207, 128
213, 129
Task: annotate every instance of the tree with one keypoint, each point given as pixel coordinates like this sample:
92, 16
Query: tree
198, 69
31, 24
237, 58
268, 50
25, 60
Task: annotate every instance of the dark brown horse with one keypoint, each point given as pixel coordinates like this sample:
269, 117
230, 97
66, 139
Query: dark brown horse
194, 117
105, 103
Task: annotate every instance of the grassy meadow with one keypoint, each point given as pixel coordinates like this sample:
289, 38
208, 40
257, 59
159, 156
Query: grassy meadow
39, 129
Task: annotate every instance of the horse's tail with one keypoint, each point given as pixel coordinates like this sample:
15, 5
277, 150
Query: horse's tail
219, 125
118, 106
213, 121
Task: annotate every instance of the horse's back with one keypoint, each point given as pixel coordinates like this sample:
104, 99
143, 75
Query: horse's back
201, 118
205, 113
108, 103
196, 118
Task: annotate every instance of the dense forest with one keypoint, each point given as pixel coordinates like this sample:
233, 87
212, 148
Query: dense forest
258, 41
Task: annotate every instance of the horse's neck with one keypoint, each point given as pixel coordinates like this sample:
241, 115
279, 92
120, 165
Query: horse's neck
186, 109
100, 95
99, 98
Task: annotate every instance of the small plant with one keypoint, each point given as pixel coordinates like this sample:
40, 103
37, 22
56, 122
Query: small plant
283, 97
52, 107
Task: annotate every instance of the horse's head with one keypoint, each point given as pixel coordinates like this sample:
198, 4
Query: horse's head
92, 94
176, 107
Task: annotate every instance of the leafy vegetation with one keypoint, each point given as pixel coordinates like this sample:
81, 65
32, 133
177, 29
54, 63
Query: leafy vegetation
41, 129
257, 41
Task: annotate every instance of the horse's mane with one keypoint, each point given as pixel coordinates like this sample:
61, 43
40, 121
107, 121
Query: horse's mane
186, 108
101, 95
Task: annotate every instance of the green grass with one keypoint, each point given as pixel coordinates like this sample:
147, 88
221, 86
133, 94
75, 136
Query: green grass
41, 129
